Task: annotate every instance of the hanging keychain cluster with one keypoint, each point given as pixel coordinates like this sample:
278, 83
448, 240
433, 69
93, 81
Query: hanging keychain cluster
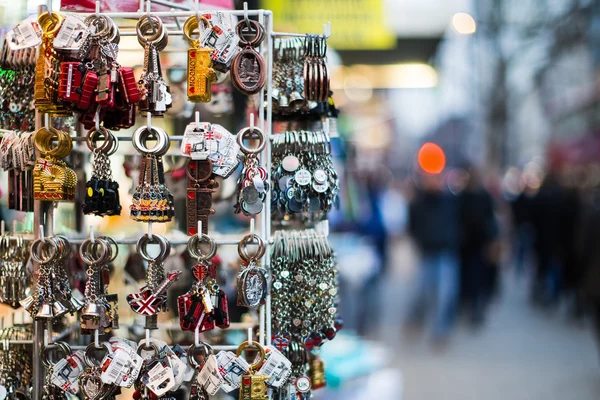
52, 294
205, 305
252, 184
15, 279
152, 201
16, 366
17, 156
304, 180
304, 303
102, 192
17, 74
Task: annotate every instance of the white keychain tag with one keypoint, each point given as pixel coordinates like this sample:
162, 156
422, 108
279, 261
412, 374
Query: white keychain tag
276, 366
231, 368
66, 372
209, 377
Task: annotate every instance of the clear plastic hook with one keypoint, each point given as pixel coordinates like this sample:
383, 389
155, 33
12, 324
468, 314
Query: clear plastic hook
92, 236
197, 119
249, 336
149, 121
199, 232
47, 121
97, 9
251, 122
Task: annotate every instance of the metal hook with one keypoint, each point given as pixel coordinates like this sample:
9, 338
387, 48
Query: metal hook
251, 122
97, 9
246, 15
97, 115
196, 7
47, 121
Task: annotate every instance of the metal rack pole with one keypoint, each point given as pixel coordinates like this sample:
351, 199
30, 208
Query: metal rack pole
268, 163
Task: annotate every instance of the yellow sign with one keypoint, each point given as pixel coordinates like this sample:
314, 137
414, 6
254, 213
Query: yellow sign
355, 24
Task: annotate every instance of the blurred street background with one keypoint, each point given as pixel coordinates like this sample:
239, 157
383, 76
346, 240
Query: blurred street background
470, 157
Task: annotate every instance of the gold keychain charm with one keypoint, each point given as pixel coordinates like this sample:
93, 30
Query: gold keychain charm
52, 179
254, 386
47, 67
200, 74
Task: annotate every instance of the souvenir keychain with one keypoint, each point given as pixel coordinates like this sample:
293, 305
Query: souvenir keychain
248, 67
205, 305
200, 73
252, 185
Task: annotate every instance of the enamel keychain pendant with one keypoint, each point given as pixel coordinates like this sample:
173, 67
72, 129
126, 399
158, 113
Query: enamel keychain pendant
200, 73
248, 67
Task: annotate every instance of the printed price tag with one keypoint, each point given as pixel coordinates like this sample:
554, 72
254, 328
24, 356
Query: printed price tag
276, 366
231, 368
178, 366
121, 367
189, 370
159, 378
25, 35
73, 33
209, 377
213, 142
66, 372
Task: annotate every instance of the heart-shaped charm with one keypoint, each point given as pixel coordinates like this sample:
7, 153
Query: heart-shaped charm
92, 386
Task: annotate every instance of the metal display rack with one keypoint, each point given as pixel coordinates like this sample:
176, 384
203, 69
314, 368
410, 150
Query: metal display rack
44, 211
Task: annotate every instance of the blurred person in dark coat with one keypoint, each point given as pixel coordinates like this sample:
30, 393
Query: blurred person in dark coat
478, 233
589, 253
433, 224
548, 207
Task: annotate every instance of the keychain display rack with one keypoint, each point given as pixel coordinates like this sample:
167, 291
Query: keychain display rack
44, 217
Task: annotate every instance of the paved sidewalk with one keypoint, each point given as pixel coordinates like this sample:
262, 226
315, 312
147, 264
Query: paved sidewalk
521, 353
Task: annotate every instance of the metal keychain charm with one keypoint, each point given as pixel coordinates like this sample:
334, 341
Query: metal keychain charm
252, 281
248, 68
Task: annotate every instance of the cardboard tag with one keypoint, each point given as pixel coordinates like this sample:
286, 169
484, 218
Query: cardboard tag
25, 35
231, 368
121, 367
276, 366
73, 33
209, 377
65, 374
159, 378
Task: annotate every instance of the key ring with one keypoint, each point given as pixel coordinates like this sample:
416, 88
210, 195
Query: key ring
107, 137
243, 247
164, 245
193, 23
48, 245
45, 356
50, 22
145, 346
88, 256
87, 355
252, 27
196, 251
191, 353
142, 134
247, 133
103, 24
255, 366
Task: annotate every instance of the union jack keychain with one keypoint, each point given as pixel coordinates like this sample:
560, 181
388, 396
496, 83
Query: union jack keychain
152, 298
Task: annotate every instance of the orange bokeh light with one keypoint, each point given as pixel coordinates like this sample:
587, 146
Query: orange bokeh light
431, 158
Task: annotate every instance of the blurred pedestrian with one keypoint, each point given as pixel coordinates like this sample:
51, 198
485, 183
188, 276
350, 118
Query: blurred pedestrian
478, 234
433, 224
521, 208
547, 209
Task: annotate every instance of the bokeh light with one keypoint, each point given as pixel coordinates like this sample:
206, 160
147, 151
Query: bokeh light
431, 158
464, 24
